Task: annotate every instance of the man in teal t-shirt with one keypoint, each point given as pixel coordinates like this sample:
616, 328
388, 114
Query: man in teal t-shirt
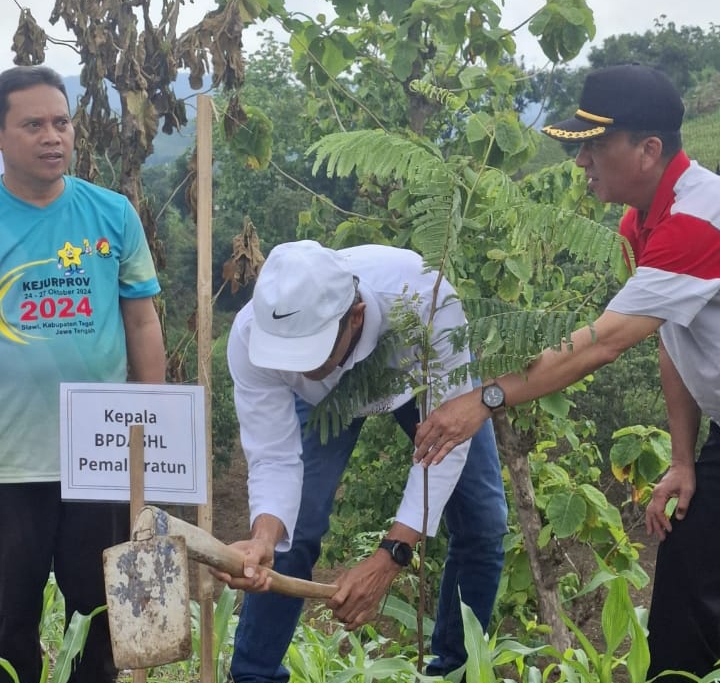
76, 287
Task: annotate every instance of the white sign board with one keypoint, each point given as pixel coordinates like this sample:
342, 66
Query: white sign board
95, 421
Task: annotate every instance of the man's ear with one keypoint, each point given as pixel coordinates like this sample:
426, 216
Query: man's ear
652, 151
357, 315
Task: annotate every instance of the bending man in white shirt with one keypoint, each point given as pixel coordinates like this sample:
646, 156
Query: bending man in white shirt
315, 314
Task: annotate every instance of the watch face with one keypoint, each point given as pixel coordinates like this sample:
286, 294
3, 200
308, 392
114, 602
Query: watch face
493, 396
402, 553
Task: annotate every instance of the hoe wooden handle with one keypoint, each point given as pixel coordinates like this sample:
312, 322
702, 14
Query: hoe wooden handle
205, 548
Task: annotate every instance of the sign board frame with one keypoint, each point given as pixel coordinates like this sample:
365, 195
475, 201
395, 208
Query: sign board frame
95, 421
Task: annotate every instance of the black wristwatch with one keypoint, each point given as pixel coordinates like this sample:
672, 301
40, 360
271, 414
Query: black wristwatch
493, 396
400, 551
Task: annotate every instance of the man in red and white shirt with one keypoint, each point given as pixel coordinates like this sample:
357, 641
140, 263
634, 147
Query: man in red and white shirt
628, 125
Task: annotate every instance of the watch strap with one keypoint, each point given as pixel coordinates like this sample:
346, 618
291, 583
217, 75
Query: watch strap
391, 545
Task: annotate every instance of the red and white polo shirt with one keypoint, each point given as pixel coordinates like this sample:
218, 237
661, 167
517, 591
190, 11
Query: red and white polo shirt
677, 251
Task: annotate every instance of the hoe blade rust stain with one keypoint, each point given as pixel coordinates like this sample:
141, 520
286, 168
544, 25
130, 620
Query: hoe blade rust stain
148, 599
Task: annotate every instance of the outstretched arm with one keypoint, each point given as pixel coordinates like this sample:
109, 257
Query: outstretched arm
591, 347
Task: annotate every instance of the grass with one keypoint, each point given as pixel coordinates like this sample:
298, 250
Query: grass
701, 138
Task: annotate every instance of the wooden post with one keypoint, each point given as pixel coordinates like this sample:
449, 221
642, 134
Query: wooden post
204, 342
137, 496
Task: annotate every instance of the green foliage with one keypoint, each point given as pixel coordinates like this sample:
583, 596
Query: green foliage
63, 645
447, 202
317, 657
224, 624
251, 143
182, 351
368, 655
406, 615
703, 98
313, 658
73, 643
385, 372
640, 456
224, 418
52, 621
370, 491
361, 63
521, 227
548, 153
686, 54
261, 172
701, 140
506, 244
497, 327
562, 28
631, 387
342, 657
682, 52
178, 279
487, 654
9, 669
565, 476
620, 622
383, 155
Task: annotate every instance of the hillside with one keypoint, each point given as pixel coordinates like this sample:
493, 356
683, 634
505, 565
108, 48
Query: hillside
701, 138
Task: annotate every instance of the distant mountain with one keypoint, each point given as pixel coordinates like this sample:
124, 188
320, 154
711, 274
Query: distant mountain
167, 147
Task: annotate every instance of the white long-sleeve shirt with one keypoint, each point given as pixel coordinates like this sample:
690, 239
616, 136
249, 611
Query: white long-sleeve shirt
270, 430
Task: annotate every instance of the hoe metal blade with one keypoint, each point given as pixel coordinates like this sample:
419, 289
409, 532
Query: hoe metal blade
148, 598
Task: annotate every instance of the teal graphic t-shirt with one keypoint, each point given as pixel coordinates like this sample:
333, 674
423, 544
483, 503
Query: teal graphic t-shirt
63, 269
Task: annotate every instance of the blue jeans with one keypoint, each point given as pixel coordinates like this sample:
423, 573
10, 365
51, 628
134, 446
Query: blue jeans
475, 517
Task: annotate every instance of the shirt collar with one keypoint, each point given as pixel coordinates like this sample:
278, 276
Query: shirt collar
665, 194
372, 324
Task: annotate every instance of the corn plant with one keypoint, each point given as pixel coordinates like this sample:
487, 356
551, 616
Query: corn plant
626, 647
487, 653
224, 622
343, 657
64, 645
620, 621
10, 669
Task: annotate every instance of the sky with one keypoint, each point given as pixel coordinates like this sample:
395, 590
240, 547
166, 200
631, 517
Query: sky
611, 17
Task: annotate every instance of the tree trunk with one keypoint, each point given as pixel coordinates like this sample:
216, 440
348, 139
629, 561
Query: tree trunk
515, 451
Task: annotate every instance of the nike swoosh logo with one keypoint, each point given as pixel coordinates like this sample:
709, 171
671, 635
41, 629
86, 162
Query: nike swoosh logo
283, 315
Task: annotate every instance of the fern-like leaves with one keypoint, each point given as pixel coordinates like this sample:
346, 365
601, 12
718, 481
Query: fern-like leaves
382, 155
446, 203
539, 228
390, 370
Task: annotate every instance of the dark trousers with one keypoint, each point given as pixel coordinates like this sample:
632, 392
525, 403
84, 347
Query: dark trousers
684, 621
39, 532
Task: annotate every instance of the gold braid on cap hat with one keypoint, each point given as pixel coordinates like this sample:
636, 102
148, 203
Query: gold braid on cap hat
573, 134
581, 134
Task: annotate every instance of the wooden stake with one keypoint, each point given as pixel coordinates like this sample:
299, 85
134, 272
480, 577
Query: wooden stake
204, 340
137, 496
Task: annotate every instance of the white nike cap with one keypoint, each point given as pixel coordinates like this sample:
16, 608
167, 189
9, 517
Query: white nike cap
302, 292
